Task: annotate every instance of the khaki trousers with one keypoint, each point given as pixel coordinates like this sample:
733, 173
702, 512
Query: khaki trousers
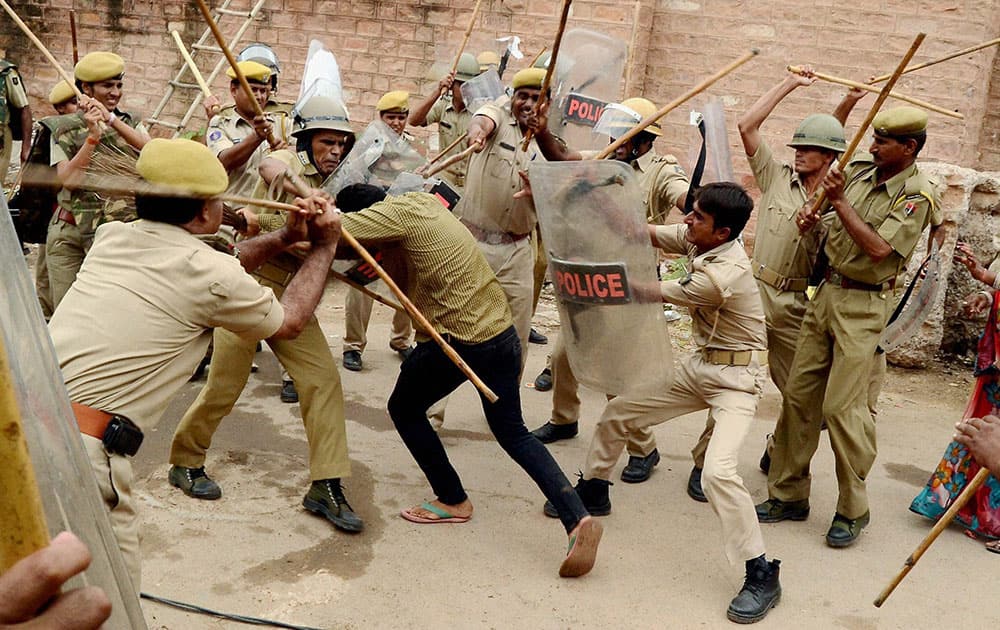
65, 248
42, 283
835, 353
357, 314
310, 364
730, 393
513, 264
566, 402
114, 480
541, 266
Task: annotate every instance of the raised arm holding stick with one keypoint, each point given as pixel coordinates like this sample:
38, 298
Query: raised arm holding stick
551, 67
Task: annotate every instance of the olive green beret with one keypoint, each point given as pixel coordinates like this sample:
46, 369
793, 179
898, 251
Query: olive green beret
182, 164
61, 92
99, 66
395, 101
900, 121
253, 71
529, 78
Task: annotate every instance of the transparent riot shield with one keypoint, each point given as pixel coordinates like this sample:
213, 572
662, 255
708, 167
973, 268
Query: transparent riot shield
587, 77
321, 66
484, 89
70, 498
718, 159
604, 272
379, 156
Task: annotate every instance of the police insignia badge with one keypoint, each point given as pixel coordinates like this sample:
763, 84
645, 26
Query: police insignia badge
910, 207
215, 135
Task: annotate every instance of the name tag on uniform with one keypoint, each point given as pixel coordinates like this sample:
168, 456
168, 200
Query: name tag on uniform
445, 125
504, 145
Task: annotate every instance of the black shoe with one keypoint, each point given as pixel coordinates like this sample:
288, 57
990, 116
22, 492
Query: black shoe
694, 486
549, 433
403, 353
288, 392
760, 593
640, 468
536, 337
776, 510
194, 483
326, 497
352, 360
543, 382
844, 531
593, 493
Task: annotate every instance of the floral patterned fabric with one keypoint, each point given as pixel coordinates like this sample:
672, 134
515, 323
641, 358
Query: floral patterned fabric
982, 513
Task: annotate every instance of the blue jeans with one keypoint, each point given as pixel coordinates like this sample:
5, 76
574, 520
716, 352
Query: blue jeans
427, 376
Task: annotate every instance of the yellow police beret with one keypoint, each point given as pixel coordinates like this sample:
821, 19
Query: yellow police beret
182, 164
253, 71
61, 92
529, 78
900, 121
395, 101
99, 66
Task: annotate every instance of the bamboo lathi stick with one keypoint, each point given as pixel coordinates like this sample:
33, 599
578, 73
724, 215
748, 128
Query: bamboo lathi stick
547, 81
871, 88
458, 157
663, 111
200, 80
45, 51
72, 32
633, 38
538, 56
940, 526
448, 149
948, 57
863, 129
465, 40
244, 84
22, 519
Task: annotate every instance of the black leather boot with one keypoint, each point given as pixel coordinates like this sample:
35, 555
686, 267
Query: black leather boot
593, 493
761, 592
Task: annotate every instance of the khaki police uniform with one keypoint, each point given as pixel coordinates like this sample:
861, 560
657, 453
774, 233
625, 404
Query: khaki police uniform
451, 126
80, 212
132, 329
12, 97
229, 128
307, 359
723, 376
491, 184
357, 314
663, 182
839, 335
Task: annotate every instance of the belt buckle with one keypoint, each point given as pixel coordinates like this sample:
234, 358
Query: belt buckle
494, 238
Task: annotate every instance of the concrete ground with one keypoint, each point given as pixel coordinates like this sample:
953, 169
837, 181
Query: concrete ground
257, 552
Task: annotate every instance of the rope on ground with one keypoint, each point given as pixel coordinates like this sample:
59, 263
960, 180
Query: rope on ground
253, 621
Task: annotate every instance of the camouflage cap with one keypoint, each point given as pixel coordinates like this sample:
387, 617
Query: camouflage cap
253, 71
182, 164
528, 78
900, 121
99, 66
395, 101
61, 92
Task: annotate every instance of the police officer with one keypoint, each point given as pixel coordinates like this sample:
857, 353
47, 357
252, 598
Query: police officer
393, 110
323, 136
134, 325
665, 186
446, 107
722, 376
882, 203
501, 222
488, 59
101, 127
15, 115
265, 56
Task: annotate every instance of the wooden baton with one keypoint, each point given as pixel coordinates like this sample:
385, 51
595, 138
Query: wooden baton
448, 148
940, 526
957, 53
871, 88
663, 111
547, 81
465, 40
72, 32
45, 51
452, 160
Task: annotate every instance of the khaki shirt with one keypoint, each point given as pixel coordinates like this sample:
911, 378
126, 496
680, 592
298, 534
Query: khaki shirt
719, 290
138, 319
896, 210
448, 277
778, 245
664, 182
229, 129
451, 125
493, 178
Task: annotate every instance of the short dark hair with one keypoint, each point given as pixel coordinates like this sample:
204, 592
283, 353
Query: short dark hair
727, 203
357, 197
172, 210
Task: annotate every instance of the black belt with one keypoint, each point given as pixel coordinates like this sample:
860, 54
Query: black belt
836, 278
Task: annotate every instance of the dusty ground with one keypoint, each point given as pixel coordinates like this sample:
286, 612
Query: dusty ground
257, 552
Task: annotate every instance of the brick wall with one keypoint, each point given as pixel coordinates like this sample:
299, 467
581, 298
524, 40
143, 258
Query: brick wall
393, 44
